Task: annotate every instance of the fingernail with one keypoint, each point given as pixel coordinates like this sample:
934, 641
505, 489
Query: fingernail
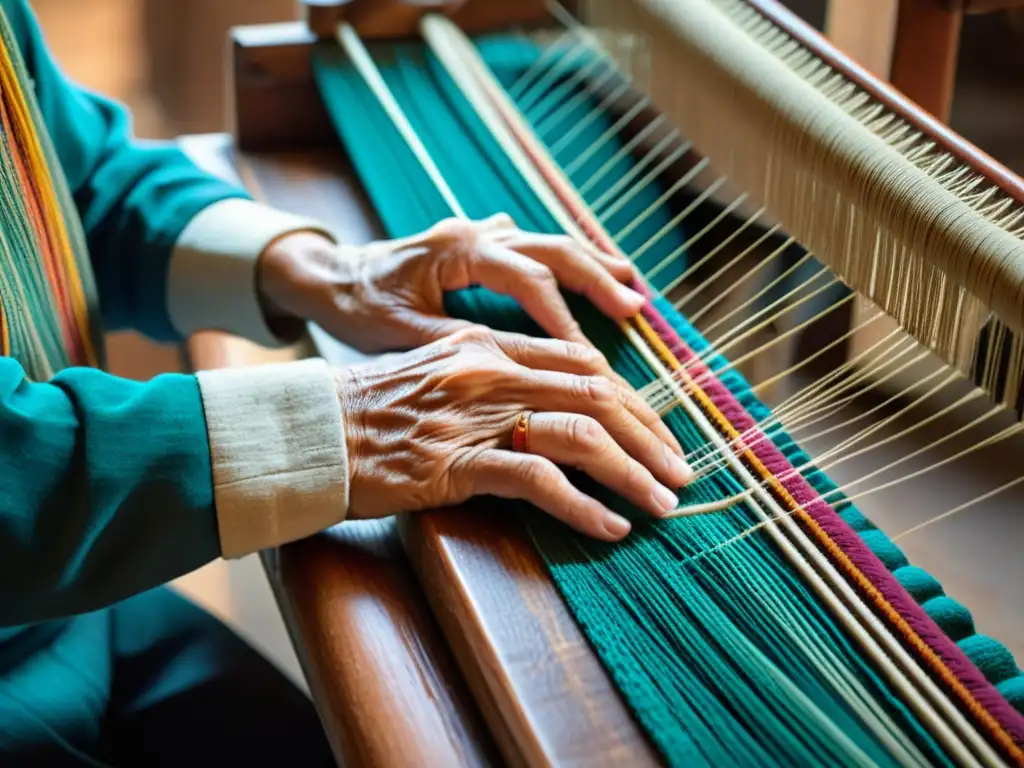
664, 499
615, 525
630, 296
677, 464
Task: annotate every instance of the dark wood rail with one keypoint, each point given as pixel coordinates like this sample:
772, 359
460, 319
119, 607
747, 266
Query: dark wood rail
898, 103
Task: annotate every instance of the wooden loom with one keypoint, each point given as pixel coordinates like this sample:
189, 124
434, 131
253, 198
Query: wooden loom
509, 676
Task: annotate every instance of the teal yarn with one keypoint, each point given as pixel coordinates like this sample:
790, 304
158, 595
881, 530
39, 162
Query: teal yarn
725, 658
884, 548
1012, 690
921, 585
991, 656
954, 618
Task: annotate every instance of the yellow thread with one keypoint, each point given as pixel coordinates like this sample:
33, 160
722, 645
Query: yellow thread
835, 551
42, 176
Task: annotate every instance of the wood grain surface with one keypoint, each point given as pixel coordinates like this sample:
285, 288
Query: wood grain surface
385, 683
544, 694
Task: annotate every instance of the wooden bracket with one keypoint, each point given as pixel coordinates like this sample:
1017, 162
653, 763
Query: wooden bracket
274, 103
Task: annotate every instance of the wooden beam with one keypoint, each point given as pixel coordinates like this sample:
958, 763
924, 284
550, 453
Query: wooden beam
865, 30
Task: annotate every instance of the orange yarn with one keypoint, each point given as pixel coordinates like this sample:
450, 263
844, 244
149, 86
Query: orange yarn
45, 212
592, 228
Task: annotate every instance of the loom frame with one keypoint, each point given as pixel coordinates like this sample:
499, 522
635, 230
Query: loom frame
488, 590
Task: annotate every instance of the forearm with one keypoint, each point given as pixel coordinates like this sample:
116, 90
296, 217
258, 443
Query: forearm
110, 487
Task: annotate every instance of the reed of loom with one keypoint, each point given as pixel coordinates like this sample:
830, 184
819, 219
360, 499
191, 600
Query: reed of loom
509, 673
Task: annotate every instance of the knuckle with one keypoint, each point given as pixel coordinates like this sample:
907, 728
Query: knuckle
599, 390
633, 476
541, 273
456, 229
583, 431
585, 356
473, 334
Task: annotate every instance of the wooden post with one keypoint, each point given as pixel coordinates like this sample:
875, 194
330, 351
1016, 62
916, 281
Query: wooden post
925, 52
865, 30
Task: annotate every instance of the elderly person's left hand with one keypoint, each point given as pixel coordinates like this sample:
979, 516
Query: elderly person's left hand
389, 295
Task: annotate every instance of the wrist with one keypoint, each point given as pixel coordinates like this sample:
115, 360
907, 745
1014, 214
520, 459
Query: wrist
283, 273
305, 276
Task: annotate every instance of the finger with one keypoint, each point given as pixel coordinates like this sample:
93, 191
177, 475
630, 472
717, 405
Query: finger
567, 357
628, 419
649, 417
582, 443
576, 268
536, 480
621, 268
530, 283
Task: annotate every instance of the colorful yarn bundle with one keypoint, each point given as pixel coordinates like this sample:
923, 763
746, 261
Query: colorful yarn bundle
42, 249
723, 652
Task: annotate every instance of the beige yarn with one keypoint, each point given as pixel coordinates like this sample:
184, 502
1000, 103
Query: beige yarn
908, 226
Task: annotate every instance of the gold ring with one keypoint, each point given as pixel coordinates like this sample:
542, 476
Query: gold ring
521, 433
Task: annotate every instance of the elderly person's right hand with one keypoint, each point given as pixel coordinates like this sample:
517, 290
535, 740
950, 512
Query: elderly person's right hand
433, 427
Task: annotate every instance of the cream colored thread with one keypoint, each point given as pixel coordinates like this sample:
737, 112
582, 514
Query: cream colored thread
751, 113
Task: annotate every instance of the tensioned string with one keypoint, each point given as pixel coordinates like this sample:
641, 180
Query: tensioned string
640, 185
952, 176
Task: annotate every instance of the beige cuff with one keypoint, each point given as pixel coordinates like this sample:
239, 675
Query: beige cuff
277, 442
211, 283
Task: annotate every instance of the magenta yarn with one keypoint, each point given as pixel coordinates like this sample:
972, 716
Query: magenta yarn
842, 534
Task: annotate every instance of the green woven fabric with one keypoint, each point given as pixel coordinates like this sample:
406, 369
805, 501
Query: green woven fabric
726, 660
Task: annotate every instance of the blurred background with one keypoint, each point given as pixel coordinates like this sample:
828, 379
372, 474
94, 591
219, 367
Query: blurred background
165, 59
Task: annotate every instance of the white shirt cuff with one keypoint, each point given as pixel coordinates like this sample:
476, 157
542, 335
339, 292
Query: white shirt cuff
277, 444
212, 278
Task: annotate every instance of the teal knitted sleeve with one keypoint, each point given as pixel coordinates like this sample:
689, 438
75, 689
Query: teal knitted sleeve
134, 198
105, 490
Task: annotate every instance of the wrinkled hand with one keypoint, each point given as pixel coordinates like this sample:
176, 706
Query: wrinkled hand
432, 427
390, 295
